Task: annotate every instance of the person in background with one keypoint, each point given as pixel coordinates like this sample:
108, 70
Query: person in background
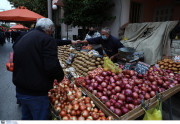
35, 67
2, 37
109, 43
92, 33
7, 34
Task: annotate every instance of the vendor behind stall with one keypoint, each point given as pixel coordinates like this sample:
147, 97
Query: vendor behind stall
109, 43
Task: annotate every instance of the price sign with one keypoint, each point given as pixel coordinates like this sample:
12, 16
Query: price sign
177, 58
69, 76
141, 67
70, 58
128, 66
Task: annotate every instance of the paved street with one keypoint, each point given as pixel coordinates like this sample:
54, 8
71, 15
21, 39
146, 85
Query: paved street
9, 110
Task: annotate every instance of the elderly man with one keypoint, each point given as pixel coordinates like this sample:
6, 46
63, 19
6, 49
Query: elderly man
109, 43
35, 67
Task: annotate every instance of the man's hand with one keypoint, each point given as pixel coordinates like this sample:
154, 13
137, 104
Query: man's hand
112, 57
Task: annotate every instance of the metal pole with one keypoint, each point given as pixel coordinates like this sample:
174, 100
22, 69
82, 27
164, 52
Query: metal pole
49, 9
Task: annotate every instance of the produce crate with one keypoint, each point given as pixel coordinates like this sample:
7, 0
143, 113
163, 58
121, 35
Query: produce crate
100, 105
137, 112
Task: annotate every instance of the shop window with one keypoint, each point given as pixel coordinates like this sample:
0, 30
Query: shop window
136, 12
163, 14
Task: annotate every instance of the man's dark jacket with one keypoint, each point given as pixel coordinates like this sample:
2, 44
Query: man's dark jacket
35, 63
110, 46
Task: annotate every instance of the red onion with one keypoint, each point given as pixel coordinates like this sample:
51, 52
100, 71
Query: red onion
147, 96
87, 77
88, 82
121, 97
107, 78
109, 73
99, 94
160, 82
165, 85
108, 104
124, 110
151, 78
109, 87
128, 92
134, 77
137, 81
104, 99
131, 82
135, 89
116, 77
135, 95
105, 93
144, 89
129, 99
113, 91
90, 88
99, 88
112, 101
113, 74
128, 86
118, 105
104, 89
112, 80
135, 102
109, 93
117, 112
118, 83
94, 92
112, 108
132, 73
143, 92
154, 83
104, 84
113, 85
140, 76
121, 102
104, 73
130, 106
154, 88
117, 89
115, 97
152, 93
93, 81
95, 85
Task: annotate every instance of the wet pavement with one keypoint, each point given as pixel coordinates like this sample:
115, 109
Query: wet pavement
9, 110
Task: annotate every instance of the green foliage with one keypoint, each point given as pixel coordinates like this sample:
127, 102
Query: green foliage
38, 6
87, 13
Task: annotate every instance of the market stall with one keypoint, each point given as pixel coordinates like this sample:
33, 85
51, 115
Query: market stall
95, 88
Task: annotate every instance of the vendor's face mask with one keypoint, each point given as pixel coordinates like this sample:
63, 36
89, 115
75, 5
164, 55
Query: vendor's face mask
104, 37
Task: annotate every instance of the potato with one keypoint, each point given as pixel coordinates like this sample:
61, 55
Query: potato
98, 59
92, 64
166, 64
97, 63
174, 65
170, 65
91, 68
165, 67
162, 66
93, 61
175, 69
102, 62
99, 66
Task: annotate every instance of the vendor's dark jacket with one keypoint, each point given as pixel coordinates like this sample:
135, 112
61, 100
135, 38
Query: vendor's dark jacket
110, 45
35, 63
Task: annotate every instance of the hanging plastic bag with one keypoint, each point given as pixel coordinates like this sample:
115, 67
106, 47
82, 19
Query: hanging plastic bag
110, 66
154, 113
10, 64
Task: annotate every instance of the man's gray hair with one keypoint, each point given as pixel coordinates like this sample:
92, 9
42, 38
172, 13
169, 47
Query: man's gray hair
45, 24
107, 30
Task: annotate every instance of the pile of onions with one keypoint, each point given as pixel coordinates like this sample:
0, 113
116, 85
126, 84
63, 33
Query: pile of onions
124, 92
67, 99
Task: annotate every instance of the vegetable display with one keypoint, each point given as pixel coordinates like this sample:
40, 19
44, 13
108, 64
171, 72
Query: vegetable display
124, 92
169, 64
69, 101
83, 61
